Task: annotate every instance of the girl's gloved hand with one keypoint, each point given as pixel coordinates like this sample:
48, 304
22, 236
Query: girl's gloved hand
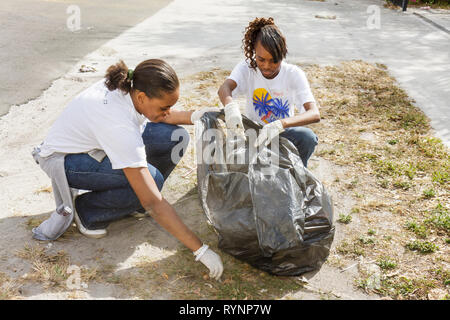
233, 117
211, 260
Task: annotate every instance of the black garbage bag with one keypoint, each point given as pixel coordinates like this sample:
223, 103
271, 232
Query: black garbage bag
280, 222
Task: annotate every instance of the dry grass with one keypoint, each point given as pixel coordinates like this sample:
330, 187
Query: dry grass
398, 172
9, 288
47, 189
178, 277
52, 269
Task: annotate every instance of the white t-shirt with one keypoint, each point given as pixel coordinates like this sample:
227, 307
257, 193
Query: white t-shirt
271, 99
100, 119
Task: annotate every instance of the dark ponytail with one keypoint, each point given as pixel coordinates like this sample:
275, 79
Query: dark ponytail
153, 77
264, 30
116, 77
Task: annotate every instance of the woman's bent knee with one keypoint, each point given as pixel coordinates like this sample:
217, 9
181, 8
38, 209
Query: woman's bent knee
157, 176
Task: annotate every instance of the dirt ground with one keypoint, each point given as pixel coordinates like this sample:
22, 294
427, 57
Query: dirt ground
140, 260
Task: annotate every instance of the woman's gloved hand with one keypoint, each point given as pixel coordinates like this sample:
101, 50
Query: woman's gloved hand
211, 260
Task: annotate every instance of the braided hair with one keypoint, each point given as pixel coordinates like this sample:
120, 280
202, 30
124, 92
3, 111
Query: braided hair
271, 38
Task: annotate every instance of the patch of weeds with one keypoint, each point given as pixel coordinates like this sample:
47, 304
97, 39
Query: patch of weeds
381, 66
419, 229
384, 183
362, 283
34, 222
439, 218
394, 169
404, 185
393, 141
355, 210
368, 156
326, 152
9, 288
410, 171
422, 246
386, 263
442, 275
388, 167
398, 287
351, 249
429, 193
414, 121
359, 195
406, 288
374, 205
440, 177
49, 269
366, 240
431, 147
345, 218
371, 232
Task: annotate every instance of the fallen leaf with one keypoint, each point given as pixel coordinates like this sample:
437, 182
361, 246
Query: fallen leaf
44, 189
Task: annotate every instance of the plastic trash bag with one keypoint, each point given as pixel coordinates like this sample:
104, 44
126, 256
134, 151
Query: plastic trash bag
279, 221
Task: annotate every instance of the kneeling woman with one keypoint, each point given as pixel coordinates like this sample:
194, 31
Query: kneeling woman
109, 147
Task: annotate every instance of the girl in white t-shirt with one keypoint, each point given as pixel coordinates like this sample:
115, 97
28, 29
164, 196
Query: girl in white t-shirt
128, 117
273, 89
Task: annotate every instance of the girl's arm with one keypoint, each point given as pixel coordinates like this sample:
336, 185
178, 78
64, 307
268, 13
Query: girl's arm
311, 115
164, 214
225, 91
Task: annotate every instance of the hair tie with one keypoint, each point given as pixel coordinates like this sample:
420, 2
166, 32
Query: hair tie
130, 74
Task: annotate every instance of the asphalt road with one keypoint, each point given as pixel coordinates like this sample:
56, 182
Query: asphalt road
39, 41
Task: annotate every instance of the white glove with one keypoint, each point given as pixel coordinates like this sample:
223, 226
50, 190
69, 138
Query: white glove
211, 260
268, 132
196, 115
233, 117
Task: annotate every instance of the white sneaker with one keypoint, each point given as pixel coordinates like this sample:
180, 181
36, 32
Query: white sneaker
97, 233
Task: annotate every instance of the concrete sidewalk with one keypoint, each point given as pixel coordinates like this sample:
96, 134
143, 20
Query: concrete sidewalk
440, 18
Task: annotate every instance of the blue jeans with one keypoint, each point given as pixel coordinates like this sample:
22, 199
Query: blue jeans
111, 196
304, 139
